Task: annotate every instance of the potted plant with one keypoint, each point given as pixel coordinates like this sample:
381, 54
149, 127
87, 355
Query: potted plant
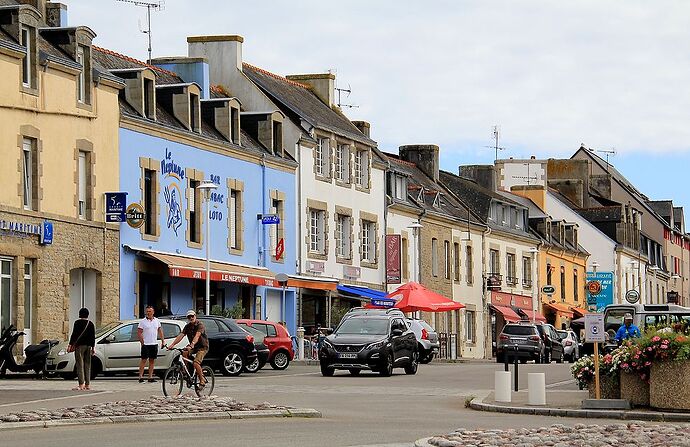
669, 355
634, 368
583, 371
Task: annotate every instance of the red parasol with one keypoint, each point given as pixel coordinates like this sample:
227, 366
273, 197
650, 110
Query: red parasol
414, 296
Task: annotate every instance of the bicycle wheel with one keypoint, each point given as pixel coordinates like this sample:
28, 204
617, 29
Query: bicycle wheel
173, 382
210, 382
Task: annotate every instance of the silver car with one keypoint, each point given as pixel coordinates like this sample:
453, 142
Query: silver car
571, 345
117, 350
427, 339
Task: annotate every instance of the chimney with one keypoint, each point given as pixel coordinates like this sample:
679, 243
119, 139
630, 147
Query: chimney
425, 156
56, 15
223, 53
322, 84
363, 127
483, 175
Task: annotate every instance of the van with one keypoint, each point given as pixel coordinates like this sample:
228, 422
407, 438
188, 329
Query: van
645, 315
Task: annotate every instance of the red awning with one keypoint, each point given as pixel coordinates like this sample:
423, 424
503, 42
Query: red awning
579, 311
417, 297
508, 313
537, 316
560, 308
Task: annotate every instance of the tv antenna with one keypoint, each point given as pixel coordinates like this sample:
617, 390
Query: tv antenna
347, 90
611, 152
496, 147
156, 6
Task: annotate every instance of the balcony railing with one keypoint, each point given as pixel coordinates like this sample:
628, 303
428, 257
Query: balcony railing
511, 280
526, 283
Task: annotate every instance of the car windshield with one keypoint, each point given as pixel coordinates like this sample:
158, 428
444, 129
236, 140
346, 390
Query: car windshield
563, 334
107, 328
364, 326
518, 330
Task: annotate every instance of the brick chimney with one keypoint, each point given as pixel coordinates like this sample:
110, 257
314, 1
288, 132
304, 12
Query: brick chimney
425, 156
363, 127
56, 15
322, 84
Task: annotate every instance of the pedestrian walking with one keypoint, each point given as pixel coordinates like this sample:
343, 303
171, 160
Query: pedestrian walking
148, 332
82, 343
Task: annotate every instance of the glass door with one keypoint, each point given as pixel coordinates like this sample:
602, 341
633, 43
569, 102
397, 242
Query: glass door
5, 293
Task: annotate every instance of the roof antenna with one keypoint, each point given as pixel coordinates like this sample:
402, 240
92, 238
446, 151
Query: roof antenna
347, 90
496, 147
611, 152
156, 6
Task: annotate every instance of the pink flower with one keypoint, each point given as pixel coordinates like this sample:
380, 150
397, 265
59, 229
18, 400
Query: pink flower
664, 346
647, 363
649, 348
665, 341
637, 356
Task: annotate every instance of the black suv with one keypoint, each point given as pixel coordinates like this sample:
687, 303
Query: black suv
377, 342
230, 348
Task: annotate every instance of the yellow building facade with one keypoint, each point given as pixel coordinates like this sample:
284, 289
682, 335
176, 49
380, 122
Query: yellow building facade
565, 271
59, 118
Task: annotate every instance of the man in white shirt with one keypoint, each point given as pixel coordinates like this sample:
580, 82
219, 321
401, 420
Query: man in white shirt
149, 330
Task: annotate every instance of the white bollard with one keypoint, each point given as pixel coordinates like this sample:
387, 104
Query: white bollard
536, 385
502, 386
300, 343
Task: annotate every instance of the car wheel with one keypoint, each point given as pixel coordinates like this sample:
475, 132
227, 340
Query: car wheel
253, 366
411, 368
427, 359
387, 369
280, 360
232, 364
326, 370
355, 372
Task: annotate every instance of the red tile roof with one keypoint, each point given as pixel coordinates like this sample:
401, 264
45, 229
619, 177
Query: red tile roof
135, 61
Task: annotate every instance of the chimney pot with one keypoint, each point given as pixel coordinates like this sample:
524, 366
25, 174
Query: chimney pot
425, 156
322, 84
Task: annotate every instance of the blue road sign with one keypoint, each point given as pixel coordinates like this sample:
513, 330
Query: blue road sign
270, 219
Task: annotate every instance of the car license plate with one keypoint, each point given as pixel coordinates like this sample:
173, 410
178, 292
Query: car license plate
348, 355
49, 361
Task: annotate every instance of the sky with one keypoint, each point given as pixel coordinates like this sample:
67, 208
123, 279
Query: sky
612, 75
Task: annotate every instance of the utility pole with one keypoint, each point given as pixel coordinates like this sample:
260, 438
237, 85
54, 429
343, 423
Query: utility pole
156, 6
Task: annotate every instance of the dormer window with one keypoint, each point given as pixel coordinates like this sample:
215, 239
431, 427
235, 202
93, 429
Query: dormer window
397, 186
235, 124
194, 116
149, 99
183, 101
277, 137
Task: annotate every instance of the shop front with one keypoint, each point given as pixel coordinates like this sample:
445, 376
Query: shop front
511, 308
314, 302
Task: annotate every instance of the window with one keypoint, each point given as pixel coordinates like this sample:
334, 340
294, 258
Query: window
562, 284
27, 63
456, 261
527, 271
576, 291
504, 217
29, 176
362, 169
403, 256
150, 201
368, 241
446, 259
316, 231
81, 207
235, 125
195, 211
148, 99
28, 294
469, 326
5, 293
276, 231
277, 137
321, 156
549, 270
125, 334
516, 218
170, 330
494, 262
397, 186
468, 264
434, 257
343, 229
194, 124
342, 163
81, 78
234, 217
510, 269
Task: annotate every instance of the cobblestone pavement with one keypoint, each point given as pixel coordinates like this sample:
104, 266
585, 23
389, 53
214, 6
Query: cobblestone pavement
579, 435
152, 405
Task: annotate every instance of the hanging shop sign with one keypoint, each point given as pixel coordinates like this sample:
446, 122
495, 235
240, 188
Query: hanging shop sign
393, 259
135, 215
600, 289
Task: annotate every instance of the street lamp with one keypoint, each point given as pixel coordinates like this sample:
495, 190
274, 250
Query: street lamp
415, 226
207, 187
535, 284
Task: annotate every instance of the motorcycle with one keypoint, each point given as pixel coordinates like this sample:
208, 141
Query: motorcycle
35, 355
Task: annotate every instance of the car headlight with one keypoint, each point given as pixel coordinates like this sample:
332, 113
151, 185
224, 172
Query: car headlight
326, 344
62, 352
377, 345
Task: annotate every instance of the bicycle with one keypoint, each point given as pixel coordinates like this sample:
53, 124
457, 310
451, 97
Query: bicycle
178, 375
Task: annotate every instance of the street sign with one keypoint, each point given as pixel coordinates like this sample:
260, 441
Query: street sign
270, 219
115, 203
632, 296
382, 302
548, 290
594, 328
135, 215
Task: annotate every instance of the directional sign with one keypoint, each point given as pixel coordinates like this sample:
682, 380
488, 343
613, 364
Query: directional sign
594, 328
115, 203
270, 219
548, 290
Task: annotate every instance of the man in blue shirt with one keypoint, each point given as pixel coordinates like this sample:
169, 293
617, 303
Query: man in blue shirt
627, 329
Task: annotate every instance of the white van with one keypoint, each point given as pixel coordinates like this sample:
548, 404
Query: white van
645, 315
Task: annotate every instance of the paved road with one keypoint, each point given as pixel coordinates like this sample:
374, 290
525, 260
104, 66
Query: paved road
365, 410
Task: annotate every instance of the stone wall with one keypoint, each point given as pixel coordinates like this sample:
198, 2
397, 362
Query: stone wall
438, 283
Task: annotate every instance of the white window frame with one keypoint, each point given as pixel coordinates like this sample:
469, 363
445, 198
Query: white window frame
318, 157
362, 168
81, 78
4, 277
26, 62
28, 174
81, 203
470, 328
28, 294
368, 241
316, 231
343, 225
233, 219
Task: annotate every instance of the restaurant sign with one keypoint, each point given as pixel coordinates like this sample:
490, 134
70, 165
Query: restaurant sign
178, 272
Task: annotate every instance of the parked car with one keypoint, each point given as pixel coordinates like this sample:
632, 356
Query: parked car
262, 351
520, 340
552, 342
372, 342
277, 338
230, 346
571, 345
117, 350
427, 339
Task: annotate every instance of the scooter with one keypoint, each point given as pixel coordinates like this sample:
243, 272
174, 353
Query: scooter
35, 355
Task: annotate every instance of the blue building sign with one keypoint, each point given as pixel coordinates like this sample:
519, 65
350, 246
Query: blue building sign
46, 237
115, 205
599, 289
270, 219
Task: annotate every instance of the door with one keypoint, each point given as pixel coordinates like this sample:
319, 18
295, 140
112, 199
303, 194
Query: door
273, 305
82, 293
151, 289
121, 348
398, 342
28, 303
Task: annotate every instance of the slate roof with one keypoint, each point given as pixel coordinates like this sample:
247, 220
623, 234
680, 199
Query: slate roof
422, 192
297, 101
533, 209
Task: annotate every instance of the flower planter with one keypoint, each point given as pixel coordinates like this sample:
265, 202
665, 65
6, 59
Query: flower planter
634, 389
608, 387
667, 387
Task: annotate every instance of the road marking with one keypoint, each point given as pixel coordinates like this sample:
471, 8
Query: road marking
564, 382
55, 398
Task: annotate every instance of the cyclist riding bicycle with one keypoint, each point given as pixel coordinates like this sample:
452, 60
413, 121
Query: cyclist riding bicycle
198, 343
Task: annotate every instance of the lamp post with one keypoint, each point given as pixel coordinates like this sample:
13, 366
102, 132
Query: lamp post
415, 226
535, 285
206, 187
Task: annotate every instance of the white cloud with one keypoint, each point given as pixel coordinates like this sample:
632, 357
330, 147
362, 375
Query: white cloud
553, 74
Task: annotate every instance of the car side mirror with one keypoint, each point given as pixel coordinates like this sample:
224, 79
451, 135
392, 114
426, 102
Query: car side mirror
397, 332
109, 339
